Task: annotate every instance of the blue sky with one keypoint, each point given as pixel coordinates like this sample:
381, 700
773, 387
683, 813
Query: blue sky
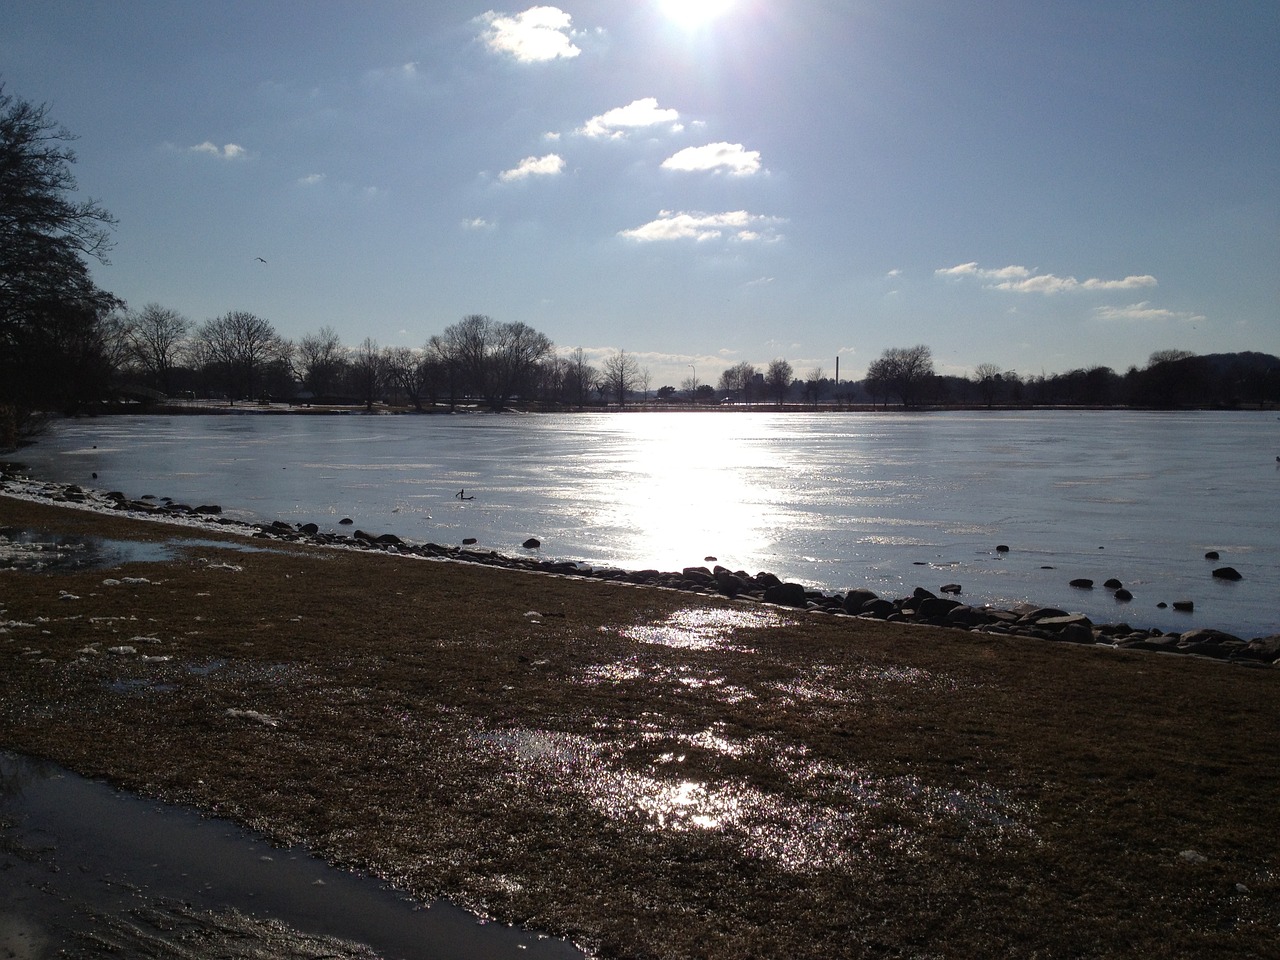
1040, 185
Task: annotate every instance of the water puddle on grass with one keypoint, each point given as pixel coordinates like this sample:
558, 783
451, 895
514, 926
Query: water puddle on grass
86, 870
706, 628
54, 553
827, 817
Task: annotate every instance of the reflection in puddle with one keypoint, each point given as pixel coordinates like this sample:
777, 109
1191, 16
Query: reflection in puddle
44, 552
84, 864
706, 628
825, 820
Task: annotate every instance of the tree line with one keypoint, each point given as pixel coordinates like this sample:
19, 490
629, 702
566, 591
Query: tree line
65, 344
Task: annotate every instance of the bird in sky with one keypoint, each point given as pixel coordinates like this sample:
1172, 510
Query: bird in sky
259, 259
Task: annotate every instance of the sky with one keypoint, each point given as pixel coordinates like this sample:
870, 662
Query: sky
1038, 185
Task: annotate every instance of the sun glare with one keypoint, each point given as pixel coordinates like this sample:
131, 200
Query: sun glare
694, 13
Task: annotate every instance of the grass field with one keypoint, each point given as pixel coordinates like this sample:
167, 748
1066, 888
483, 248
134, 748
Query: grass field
656, 774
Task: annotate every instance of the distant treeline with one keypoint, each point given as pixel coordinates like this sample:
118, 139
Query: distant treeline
67, 345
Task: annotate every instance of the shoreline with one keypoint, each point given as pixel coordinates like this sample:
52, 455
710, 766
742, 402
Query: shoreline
655, 772
922, 607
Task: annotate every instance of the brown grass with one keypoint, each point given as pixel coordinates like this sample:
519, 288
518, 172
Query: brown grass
900, 791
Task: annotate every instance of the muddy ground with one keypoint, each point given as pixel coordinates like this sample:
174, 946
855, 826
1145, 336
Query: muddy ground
655, 774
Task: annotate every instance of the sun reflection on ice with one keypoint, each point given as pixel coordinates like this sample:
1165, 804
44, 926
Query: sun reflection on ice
707, 492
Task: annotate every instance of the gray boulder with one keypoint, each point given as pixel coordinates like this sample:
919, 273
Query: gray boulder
787, 594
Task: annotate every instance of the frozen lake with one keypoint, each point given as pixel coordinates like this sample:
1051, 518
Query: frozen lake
884, 500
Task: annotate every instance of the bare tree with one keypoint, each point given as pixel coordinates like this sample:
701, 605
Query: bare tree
321, 361
620, 377
987, 377
236, 350
51, 312
1168, 356
417, 372
156, 337
739, 379
777, 379
813, 384
368, 372
495, 361
580, 378
904, 371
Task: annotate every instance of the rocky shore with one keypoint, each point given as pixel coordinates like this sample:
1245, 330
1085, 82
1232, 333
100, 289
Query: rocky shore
921, 607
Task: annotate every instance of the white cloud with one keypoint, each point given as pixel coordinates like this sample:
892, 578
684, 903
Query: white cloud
644, 112
536, 35
1019, 279
311, 179
736, 224
547, 166
231, 151
1143, 312
732, 157
477, 223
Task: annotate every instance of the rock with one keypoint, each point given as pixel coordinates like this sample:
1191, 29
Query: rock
1083, 583
920, 593
1112, 584
1185, 606
709, 559
468, 541
1204, 635
1036, 614
930, 607
1162, 605
1002, 548
209, 509
1227, 573
346, 522
1266, 649
1073, 628
966, 616
787, 594
1211, 555
878, 608
1123, 594
727, 583
310, 529
855, 600
533, 543
389, 538
698, 575
952, 588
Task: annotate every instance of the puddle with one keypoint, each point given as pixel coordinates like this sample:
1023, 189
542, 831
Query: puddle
50, 553
825, 820
708, 628
82, 864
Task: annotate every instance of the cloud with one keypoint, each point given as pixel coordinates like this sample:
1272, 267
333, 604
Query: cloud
1019, 279
231, 151
737, 225
617, 122
732, 157
1143, 313
534, 36
547, 166
477, 223
311, 179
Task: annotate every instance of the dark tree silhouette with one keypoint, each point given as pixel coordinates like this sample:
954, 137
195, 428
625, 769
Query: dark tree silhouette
52, 315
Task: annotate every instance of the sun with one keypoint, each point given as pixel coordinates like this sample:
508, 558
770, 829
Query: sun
694, 13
